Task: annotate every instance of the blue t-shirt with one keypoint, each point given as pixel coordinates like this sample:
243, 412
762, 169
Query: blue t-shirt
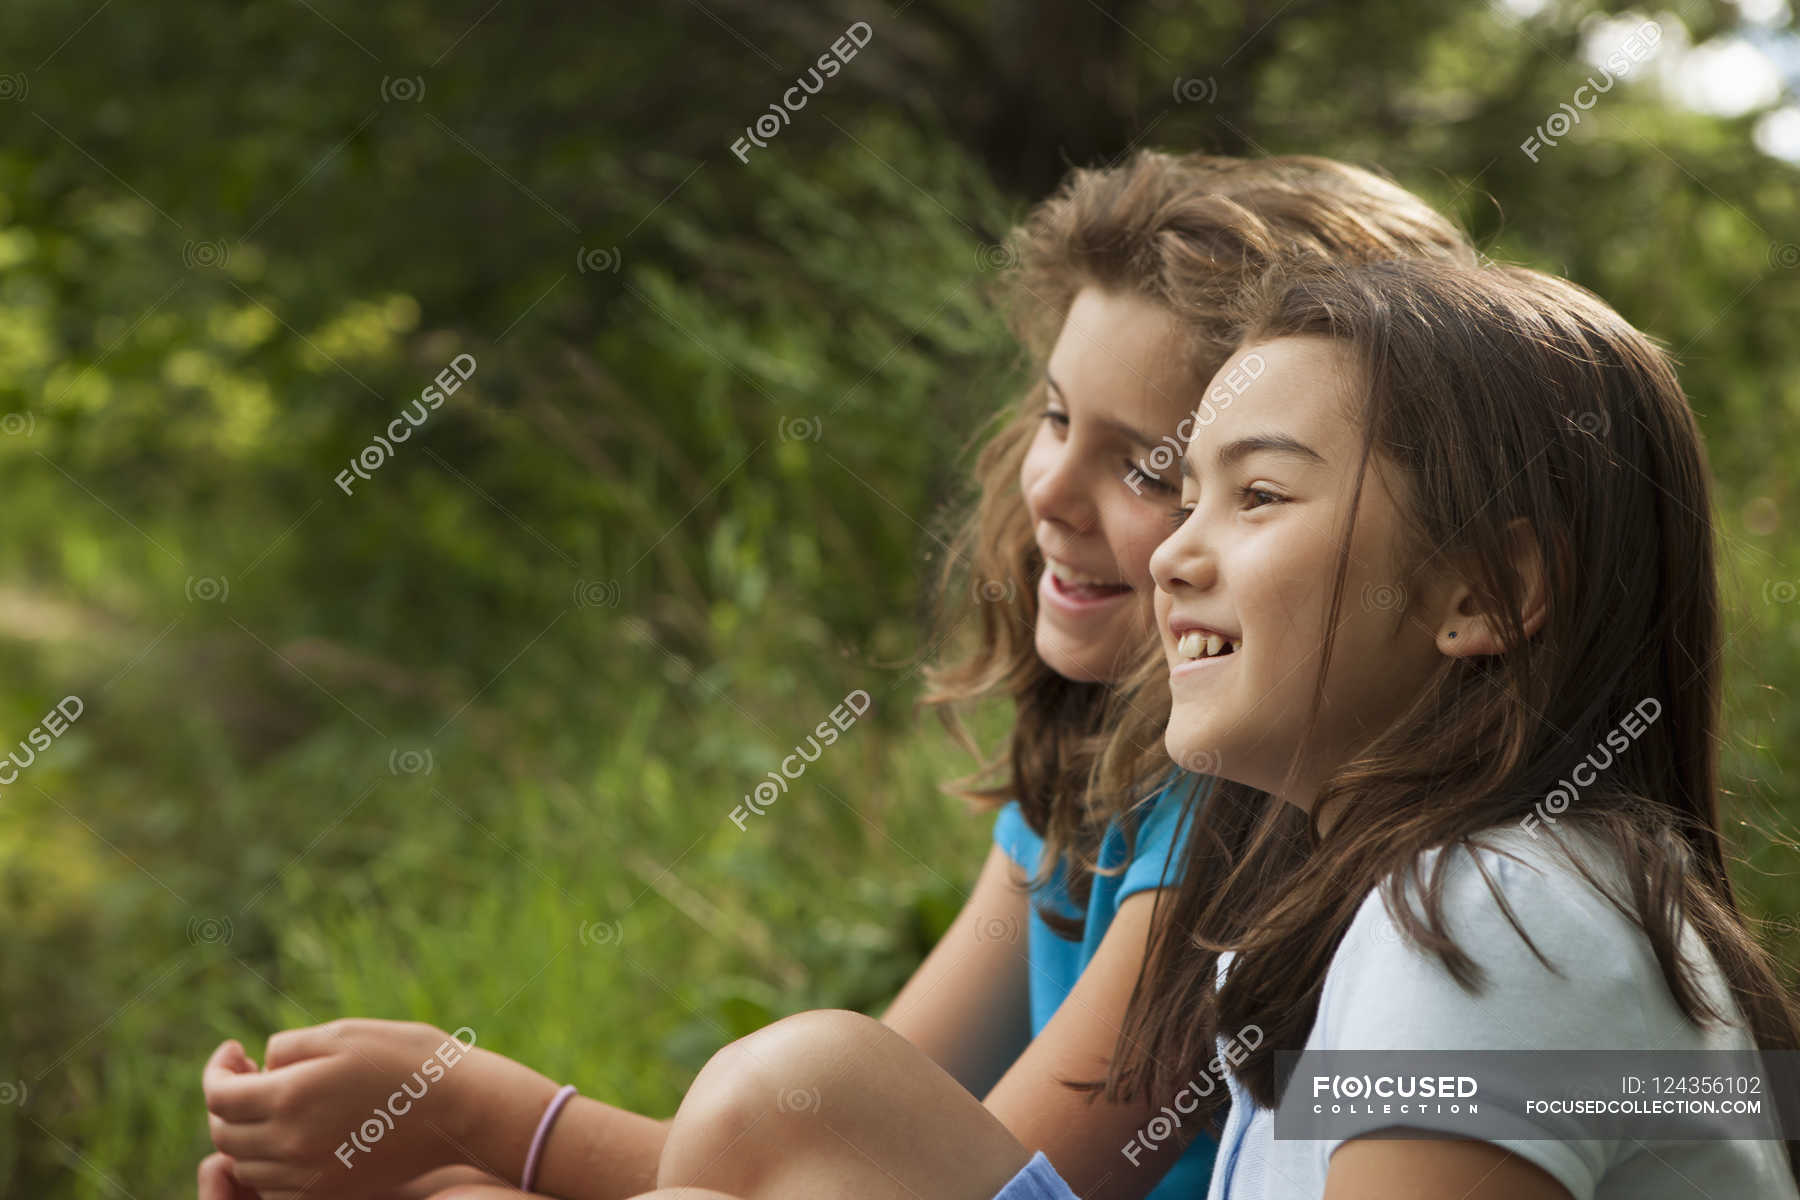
1056, 962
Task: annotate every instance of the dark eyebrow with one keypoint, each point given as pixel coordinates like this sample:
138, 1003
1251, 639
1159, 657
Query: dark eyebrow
1260, 443
1130, 432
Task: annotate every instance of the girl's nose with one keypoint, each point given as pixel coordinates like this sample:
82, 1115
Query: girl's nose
1184, 560
1064, 493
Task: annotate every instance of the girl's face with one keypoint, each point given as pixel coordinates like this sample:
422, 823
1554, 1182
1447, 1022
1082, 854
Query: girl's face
1267, 484
1114, 389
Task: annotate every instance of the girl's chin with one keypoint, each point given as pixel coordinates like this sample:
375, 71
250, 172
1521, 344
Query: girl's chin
1190, 749
1075, 672
1082, 662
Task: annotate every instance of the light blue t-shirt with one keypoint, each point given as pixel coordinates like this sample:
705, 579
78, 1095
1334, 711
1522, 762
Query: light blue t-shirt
1056, 962
1382, 992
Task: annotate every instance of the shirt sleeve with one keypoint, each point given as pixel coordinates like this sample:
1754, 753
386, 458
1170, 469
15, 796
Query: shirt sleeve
1382, 992
1162, 828
1014, 836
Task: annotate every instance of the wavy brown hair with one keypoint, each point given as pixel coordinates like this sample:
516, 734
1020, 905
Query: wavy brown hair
1495, 399
1189, 232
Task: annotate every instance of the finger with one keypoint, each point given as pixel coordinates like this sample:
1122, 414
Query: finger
234, 1094
213, 1178
229, 1056
236, 1060
216, 1181
271, 1179
311, 1041
244, 1142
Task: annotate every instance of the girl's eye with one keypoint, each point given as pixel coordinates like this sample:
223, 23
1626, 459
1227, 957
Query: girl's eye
1160, 486
1267, 497
1056, 417
1180, 515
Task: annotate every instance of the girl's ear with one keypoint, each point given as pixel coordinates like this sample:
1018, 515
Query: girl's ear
1469, 627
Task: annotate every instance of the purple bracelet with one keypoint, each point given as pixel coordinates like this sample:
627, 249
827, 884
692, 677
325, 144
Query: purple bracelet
543, 1135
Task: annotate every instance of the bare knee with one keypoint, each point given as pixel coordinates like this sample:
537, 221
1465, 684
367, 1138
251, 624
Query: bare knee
758, 1100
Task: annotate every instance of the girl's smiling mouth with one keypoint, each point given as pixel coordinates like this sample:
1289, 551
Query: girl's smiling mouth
1197, 646
1074, 590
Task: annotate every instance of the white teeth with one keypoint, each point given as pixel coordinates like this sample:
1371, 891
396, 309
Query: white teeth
1194, 644
1067, 574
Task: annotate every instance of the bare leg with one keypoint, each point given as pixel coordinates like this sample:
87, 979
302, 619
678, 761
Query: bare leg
485, 1192
216, 1181
433, 1182
832, 1104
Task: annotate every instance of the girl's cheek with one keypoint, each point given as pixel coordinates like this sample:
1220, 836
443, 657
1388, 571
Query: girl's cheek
1036, 463
1134, 561
1028, 475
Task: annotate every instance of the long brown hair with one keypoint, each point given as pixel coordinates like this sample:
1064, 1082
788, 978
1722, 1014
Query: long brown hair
1494, 397
1189, 232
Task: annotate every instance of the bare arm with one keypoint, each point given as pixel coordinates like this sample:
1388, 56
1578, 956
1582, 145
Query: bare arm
968, 1005
280, 1124
1085, 1141
595, 1151
1368, 1168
